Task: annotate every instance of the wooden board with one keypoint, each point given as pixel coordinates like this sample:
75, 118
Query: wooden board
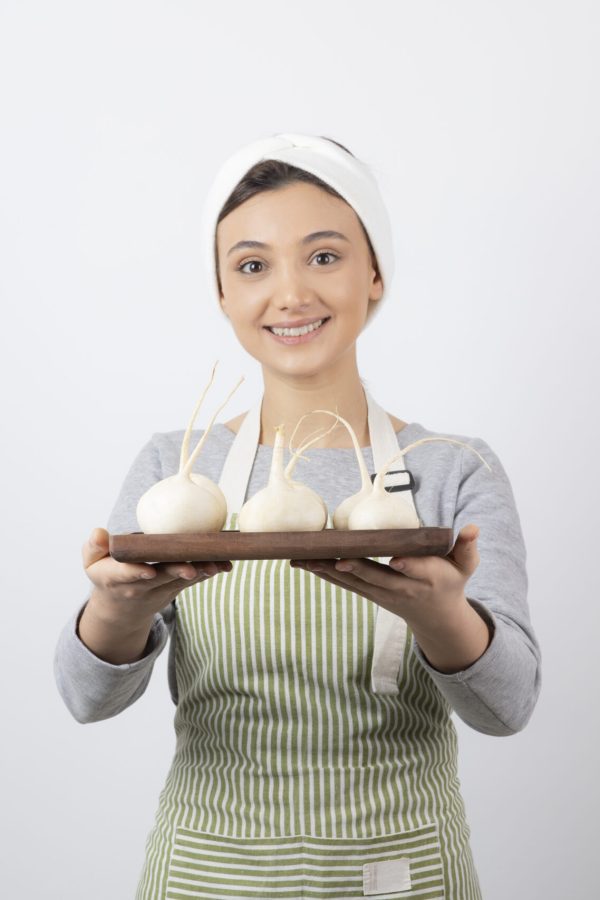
327, 544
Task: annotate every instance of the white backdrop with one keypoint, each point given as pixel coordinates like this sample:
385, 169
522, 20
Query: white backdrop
480, 121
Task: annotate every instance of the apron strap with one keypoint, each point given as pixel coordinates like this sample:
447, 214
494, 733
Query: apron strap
384, 445
391, 633
235, 475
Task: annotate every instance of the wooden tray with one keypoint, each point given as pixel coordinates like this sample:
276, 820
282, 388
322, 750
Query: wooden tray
327, 544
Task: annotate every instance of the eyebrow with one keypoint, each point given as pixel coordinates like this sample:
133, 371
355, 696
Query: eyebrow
314, 236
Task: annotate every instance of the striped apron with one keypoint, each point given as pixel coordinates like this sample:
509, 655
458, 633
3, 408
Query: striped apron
315, 757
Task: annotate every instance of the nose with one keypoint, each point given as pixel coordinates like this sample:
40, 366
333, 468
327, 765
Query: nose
291, 291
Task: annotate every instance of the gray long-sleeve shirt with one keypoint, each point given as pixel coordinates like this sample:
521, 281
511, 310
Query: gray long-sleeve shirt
496, 695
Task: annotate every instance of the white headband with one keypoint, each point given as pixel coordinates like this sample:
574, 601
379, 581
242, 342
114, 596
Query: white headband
351, 178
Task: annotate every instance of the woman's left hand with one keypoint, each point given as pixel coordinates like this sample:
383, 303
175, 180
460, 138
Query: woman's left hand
428, 592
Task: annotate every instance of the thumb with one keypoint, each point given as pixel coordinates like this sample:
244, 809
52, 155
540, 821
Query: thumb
465, 553
96, 547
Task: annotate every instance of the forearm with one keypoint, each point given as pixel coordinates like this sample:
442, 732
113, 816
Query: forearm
498, 692
454, 639
93, 689
110, 638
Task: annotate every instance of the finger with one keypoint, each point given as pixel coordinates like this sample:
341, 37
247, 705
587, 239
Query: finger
373, 573
185, 570
464, 556
189, 570
96, 547
177, 585
161, 574
465, 553
108, 572
355, 585
326, 570
420, 568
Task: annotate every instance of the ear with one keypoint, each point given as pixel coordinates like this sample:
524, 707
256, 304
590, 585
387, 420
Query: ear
223, 303
376, 291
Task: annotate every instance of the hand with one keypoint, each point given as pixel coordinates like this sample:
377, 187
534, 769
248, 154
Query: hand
131, 593
116, 621
428, 592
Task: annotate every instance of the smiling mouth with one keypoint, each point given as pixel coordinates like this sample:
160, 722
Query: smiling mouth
297, 332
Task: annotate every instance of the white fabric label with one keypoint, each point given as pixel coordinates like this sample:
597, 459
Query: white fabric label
386, 877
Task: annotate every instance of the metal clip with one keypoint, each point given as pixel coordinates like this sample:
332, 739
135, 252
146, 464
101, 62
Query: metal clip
393, 483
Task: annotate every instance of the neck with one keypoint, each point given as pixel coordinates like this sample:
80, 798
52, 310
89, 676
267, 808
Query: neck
287, 398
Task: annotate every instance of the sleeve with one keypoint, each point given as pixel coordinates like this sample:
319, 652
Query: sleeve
497, 694
91, 688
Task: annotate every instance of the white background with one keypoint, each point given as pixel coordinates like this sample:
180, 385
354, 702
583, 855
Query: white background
480, 121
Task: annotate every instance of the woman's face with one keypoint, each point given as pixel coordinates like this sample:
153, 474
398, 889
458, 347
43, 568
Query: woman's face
293, 278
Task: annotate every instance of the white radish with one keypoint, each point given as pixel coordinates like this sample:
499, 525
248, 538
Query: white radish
342, 512
384, 509
186, 502
284, 504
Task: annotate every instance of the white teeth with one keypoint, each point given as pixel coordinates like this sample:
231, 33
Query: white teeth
293, 332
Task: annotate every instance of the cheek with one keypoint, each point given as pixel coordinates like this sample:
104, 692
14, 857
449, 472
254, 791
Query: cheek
350, 296
248, 334
243, 302
237, 312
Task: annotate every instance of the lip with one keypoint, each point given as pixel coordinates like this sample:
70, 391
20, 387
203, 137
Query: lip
298, 324
298, 338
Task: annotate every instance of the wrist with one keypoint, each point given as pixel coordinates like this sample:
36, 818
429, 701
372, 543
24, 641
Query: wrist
439, 621
454, 639
109, 615
111, 638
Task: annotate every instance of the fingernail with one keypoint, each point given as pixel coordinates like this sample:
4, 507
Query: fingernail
343, 566
147, 574
184, 574
398, 564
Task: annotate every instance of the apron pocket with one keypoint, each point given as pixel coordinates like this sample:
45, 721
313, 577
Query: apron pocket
400, 865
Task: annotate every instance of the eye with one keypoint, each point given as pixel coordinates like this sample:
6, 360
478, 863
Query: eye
251, 262
257, 262
326, 253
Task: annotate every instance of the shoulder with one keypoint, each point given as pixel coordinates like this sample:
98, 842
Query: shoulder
233, 425
167, 445
414, 431
447, 450
398, 424
455, 480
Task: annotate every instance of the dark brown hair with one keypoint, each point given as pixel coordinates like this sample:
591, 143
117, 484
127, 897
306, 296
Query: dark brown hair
269, 175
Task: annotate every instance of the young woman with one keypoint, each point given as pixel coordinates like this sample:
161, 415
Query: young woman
316, 756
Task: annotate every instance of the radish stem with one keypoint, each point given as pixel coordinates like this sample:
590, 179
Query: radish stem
185, 444
188, 465
400, 455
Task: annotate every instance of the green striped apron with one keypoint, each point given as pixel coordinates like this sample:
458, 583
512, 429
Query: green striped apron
315, 757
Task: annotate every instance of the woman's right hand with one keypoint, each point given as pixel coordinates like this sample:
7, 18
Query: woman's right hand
119, 614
